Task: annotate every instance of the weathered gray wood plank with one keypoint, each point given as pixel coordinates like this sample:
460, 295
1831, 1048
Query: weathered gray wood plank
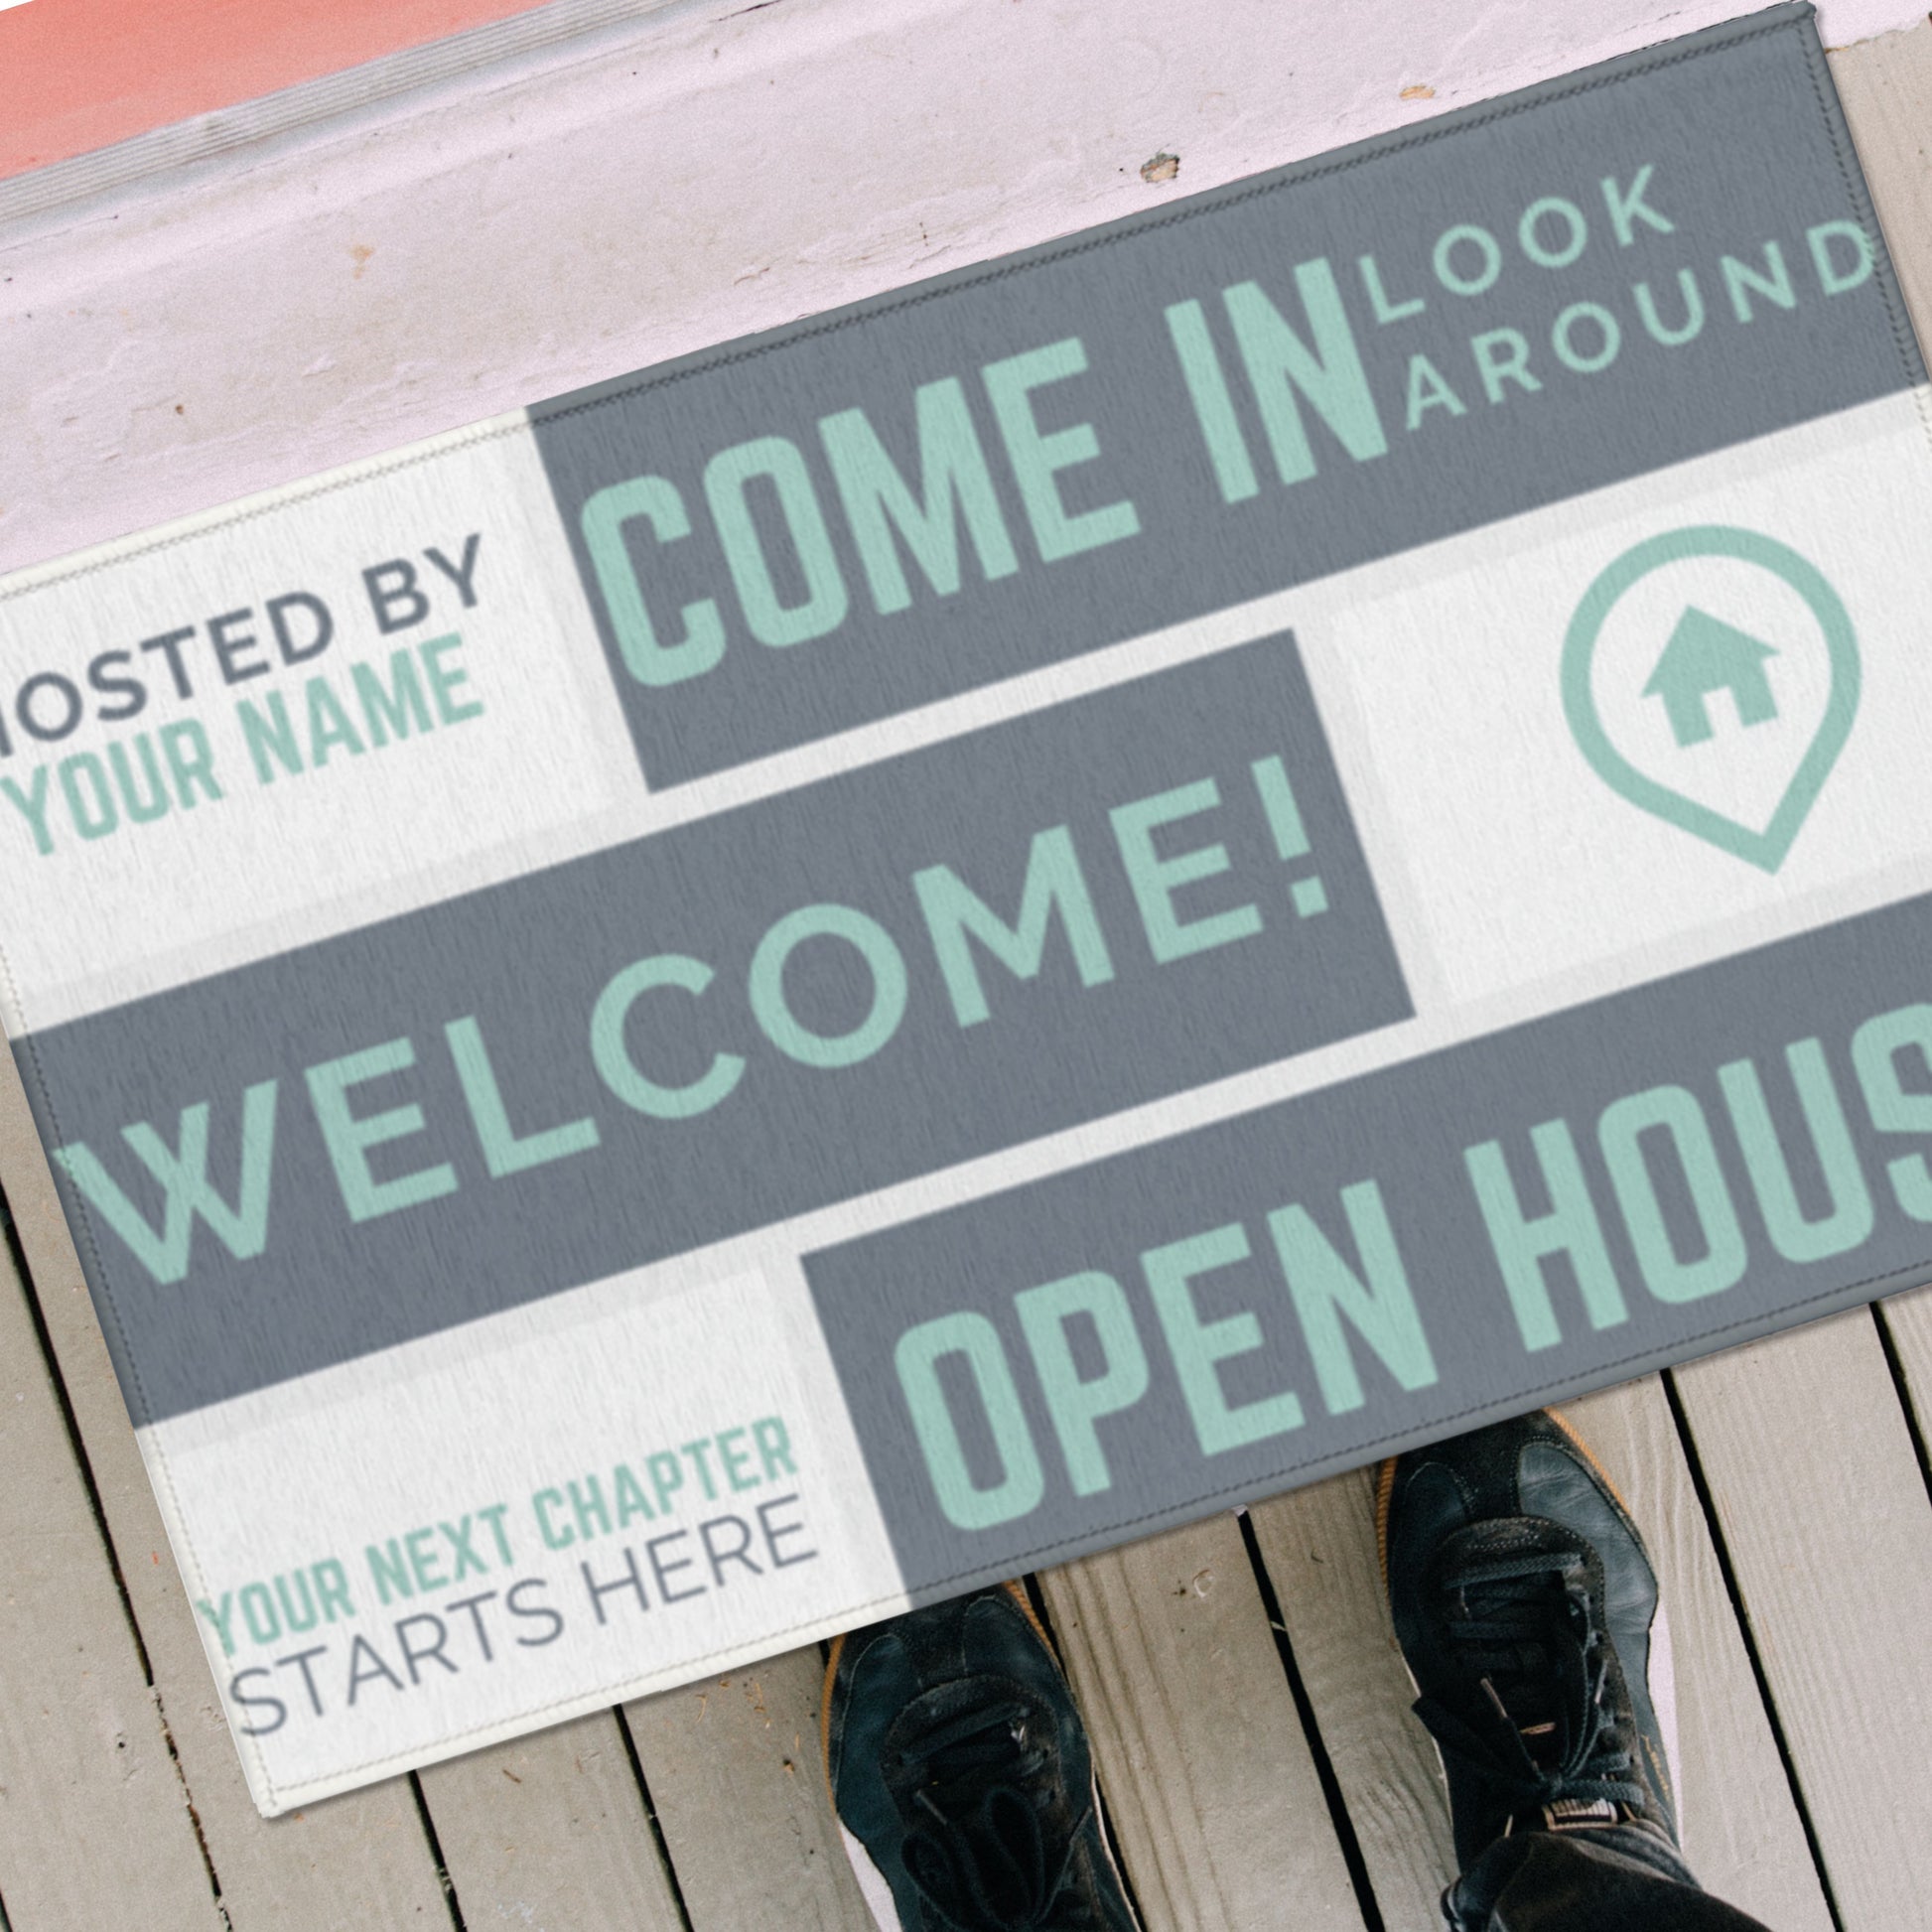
82, 1750
736, 1776
1743, 1834
356, 1864
1827, 1526
1907, 1321
1201, 1754
1886, 88
1319, 1544
549, 1833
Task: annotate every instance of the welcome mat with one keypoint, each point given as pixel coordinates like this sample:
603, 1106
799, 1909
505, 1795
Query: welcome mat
940, 938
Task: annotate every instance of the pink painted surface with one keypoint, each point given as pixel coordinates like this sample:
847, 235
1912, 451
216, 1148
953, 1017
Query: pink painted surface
78, 75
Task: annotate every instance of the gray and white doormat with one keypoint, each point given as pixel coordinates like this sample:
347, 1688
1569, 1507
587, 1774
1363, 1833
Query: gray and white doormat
934, 940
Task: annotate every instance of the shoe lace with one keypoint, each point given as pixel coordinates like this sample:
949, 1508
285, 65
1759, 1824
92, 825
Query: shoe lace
1522, 1623
977, 1846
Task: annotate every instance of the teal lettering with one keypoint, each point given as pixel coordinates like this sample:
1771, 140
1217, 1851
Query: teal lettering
775, 1446
656, 502
1488, 251
666, 1477
974, 1339
611, 1055
1851, 1218
221, 1619
1831, 278
1693, 324
1330, 375
33, 807
444, 679
269, 738
296, 1602
956, 915
1523, 1242
140, 810
96, 818
424, 1565
328, 724
1075, 1404
1875, 1048
630, 1497
587, 1504
1037, 457
1325, 1289
395, 709
884, 962
1609, 338
1627, 206
390, 1570
191, 762
1576, 232
1502, 356
556, 1536
181, 1171
954, 483
505, 1149
1429, 389
1155, 880
1198, 1348
1674, 1113
1383, 309
1742, 281
1208, 390
349, 1139
727, 478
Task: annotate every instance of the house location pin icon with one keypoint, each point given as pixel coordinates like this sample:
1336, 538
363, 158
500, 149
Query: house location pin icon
1712, 688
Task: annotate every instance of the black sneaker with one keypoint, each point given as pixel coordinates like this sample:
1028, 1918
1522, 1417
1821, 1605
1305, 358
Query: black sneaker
961, 1773
1527, 1610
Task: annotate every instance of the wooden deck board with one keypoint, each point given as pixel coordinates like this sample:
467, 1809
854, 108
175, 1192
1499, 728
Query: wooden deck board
1828, 1528
1201, 1751
82, 1750
733, 1770
1743, 1834
1907, 1321
1319, 1547
356, 1864
1886, 86
549, 1833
